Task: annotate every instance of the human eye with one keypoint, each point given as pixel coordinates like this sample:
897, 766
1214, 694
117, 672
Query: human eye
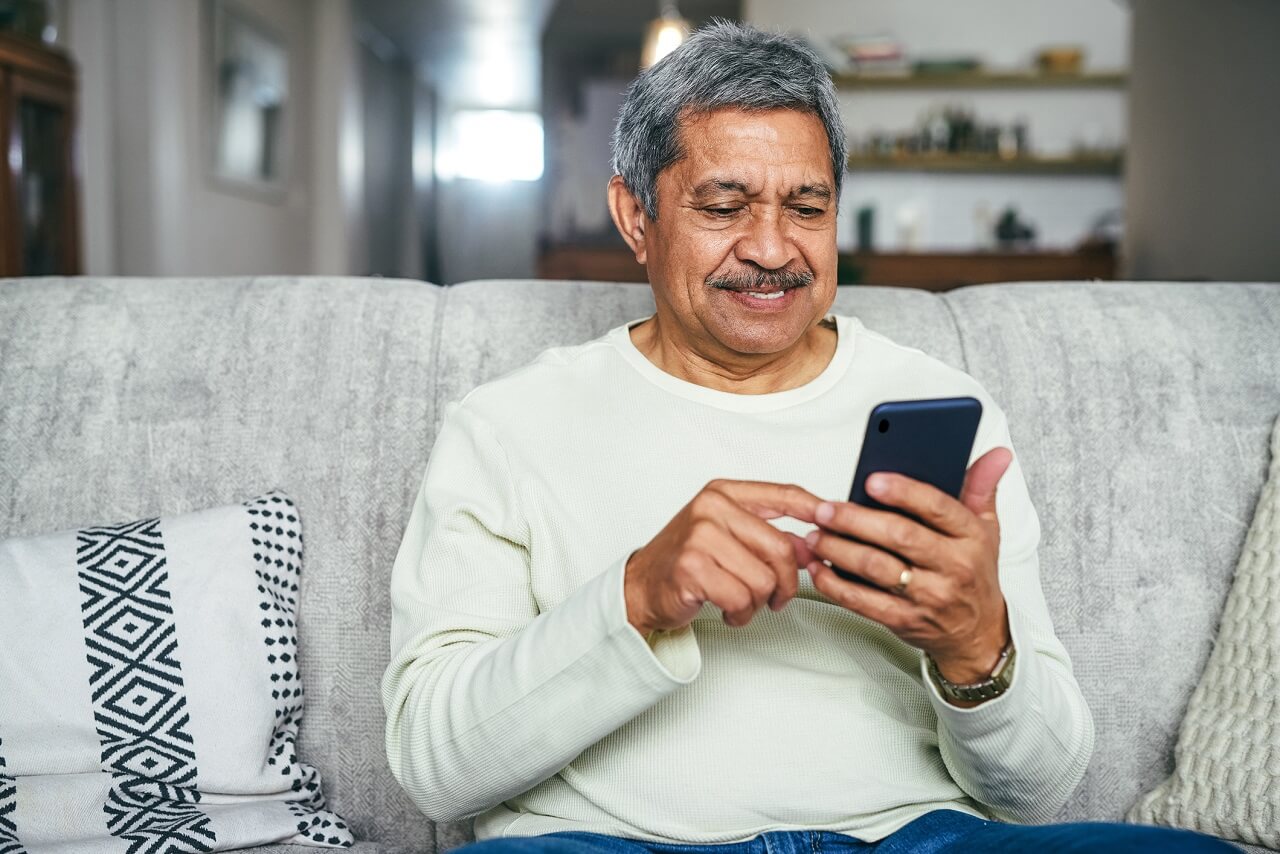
721, 211
808, 211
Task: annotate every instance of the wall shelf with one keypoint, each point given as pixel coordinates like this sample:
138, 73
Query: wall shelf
941, 271
1103, 164
983, 80
935, 271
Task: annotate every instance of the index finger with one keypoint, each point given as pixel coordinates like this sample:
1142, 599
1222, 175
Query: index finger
925, 501
771, 500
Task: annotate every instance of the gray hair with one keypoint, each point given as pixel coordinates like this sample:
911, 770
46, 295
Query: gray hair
723, 64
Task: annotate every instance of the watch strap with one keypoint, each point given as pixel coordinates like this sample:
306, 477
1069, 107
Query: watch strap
993, 686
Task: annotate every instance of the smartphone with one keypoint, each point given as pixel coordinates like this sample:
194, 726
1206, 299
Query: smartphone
928, 440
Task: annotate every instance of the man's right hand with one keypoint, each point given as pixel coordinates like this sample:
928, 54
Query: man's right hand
719, 549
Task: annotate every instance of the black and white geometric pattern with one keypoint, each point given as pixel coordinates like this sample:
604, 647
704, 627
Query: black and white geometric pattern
136, 684
156, 817
192, 694
277, 540
8, 804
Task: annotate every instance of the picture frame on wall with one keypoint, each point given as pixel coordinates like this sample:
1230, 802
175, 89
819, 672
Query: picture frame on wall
249, 108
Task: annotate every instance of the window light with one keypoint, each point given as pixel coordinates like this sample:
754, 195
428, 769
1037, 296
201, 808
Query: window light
493, 145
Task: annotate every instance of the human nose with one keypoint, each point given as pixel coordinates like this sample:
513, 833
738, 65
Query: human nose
765, 242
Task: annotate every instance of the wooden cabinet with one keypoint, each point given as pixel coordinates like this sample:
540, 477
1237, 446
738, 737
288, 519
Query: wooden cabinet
39, 217
591, 263
934, 271
942, 271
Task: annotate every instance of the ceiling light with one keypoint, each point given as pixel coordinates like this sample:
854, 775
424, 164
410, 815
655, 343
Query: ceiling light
666, 33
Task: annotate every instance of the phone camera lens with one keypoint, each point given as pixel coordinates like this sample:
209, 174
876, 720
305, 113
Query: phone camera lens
884, 425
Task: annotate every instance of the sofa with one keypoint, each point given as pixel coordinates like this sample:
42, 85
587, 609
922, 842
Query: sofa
1140, 411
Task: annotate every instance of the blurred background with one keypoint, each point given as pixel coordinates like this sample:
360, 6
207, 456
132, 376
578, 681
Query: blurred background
451, 140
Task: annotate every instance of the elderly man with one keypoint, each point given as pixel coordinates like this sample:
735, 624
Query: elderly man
582, 658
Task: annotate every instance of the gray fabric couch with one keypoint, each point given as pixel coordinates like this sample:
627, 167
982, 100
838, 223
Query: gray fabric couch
1140, 411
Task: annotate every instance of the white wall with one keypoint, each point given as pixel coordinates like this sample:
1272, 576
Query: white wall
337, 218
1204, 185
397, 130
92, 44
388, 142
150, 205
1005, 34
229, 231
581, 163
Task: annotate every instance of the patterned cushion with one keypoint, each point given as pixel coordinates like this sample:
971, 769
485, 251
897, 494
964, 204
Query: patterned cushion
1227, 775
151, 696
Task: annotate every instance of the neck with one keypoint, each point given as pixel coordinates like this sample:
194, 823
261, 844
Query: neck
716, 367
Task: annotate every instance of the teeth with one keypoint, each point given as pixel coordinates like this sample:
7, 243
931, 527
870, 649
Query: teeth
774, 295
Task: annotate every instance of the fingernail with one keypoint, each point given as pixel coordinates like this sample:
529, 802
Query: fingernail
811, 538
876, 485
826, 510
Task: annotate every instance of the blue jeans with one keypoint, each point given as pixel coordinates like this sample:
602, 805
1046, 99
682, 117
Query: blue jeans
938, 832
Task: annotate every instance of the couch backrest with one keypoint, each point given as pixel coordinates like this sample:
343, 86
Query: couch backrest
1140, 412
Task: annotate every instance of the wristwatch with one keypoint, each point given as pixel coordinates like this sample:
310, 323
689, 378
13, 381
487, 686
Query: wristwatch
993, 686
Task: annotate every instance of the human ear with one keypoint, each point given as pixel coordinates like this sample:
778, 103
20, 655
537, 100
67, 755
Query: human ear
628, 217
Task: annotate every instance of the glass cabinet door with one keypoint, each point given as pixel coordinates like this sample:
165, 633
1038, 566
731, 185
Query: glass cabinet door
41, 209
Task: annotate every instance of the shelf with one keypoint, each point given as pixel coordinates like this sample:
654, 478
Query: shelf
941, 271
989, 164
36, 58
983, 80
936, 271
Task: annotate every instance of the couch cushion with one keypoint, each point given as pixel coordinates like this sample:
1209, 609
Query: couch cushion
151, 688
492, 327
1141, 411
1227, 779
131, 397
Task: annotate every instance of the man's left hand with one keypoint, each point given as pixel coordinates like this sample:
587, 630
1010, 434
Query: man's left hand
952, 607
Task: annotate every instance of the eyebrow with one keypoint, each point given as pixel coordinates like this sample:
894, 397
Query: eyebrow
714, 186
710, 188
817, 191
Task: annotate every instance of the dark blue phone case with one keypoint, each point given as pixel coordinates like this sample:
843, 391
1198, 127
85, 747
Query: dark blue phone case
929, 440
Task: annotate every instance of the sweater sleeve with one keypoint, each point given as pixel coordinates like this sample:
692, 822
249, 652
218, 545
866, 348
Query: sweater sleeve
1023, 753
485, 695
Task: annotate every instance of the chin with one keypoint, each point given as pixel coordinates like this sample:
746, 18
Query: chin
772, 335
743, 329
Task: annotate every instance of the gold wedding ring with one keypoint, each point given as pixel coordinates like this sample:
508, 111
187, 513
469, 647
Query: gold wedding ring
903, 581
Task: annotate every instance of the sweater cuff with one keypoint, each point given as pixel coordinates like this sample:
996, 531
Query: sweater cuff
670, 654
1000, 712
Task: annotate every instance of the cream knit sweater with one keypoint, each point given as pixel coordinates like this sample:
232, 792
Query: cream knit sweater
519, 693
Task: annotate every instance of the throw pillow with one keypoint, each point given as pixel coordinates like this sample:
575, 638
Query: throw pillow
151, 694
1226, 779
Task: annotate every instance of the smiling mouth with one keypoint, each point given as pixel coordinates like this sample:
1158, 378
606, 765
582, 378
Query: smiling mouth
776, 293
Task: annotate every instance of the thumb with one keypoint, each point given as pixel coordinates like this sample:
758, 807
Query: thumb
979, 491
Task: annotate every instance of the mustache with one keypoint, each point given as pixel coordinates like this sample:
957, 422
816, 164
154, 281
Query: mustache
762, 279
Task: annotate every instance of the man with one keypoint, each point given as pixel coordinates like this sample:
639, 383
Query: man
582, 657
